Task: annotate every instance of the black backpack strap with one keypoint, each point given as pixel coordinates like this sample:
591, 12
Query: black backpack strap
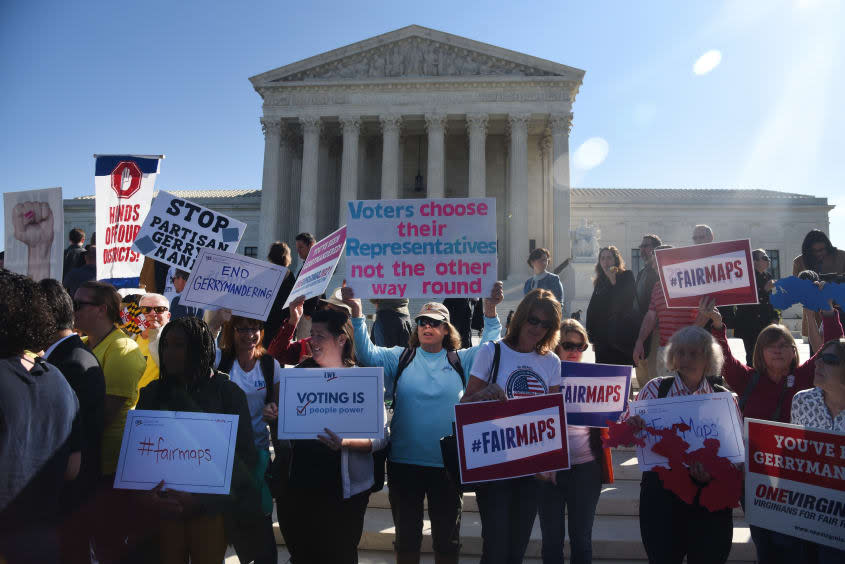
268, 370
405, 359
227, 360
746, 393
494, 368
455, 361
665, 385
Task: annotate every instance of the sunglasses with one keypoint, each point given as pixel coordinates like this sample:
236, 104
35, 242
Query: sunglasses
150, 309
567, 346
433, 323
79, 305
544, 323
830, 359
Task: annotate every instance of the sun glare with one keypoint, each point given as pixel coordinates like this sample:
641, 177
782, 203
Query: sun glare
707, 62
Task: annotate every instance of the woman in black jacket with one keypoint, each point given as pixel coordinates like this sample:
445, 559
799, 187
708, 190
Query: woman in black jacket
610, 305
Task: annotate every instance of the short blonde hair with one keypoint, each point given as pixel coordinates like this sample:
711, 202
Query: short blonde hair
696, 338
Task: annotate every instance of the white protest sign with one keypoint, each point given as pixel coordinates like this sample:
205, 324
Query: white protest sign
191, 452
35, 236
319, 267
175, 230
709, 416
430, 248
247, 286
349, 401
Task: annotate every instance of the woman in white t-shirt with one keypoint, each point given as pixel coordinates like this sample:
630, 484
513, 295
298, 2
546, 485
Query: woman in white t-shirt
527, 367
242, 356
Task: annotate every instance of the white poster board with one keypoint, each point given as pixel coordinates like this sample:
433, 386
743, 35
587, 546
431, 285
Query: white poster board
35, 237
710, 416
349, 401
247, 286
316, 273
191, 452
176, 229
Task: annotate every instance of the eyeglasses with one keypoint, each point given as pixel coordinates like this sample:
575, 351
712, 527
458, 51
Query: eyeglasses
433, 323
247, 330
77, 305
830, 359
150, 309
544, 323
567, 346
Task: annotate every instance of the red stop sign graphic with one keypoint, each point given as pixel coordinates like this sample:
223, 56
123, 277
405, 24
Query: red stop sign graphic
126, 179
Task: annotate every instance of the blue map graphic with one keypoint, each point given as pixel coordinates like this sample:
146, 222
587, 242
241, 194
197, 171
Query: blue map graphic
793, 290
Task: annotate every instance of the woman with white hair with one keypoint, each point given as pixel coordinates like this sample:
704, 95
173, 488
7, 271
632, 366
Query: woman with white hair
670, 527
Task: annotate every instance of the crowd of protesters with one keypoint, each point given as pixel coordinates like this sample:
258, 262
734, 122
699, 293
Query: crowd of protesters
75, 359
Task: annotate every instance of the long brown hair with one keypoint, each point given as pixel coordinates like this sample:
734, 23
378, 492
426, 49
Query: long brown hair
540, 300
617, 259
769, 336
227, 339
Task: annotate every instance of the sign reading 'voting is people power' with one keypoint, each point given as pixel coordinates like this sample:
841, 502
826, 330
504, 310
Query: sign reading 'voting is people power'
175, 230
723, 271
432, 248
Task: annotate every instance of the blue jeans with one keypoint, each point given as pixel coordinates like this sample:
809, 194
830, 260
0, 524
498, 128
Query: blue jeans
508, 509
577, 489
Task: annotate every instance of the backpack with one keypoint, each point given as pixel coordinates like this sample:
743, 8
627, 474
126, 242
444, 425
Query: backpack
667, 381
227, 361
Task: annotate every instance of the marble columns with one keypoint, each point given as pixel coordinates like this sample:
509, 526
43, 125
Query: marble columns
351, 127
518, 185
477, 130
270, 187
390, 126
311, 126
435, 124
560, 125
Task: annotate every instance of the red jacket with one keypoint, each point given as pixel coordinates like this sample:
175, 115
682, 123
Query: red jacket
286, 351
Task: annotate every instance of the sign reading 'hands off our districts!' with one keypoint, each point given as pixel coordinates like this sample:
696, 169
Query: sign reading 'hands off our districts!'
426, 248
721, 270
594, 393
349, 401
191, 452
176, 229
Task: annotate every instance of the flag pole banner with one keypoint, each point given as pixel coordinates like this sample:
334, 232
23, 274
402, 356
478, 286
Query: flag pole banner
123, 187
723, 270
35, 234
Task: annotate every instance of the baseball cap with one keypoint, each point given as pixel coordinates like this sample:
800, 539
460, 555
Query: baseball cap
434, 310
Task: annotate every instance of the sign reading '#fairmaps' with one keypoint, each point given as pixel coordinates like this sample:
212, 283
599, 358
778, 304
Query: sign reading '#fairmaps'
247, 286
175, 230
594, 393
421, 248
721, 270
191, 452
349, 401
317, 271
795, 481
519, 437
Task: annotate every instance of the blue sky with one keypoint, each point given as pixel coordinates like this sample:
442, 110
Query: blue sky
171, 77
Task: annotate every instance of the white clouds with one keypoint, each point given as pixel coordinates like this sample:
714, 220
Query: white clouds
591, 153
707, 62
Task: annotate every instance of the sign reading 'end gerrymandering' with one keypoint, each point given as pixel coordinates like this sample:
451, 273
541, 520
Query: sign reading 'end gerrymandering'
519, 437
428, 248
795, 481
721, 270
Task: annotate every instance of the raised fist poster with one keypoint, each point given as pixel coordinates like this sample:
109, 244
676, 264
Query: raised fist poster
35, 224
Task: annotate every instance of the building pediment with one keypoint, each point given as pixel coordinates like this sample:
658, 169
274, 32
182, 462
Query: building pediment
415, 52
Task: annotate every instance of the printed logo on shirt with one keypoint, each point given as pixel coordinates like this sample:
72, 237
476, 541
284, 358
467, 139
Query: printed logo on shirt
524, 383
259, 384
790, 381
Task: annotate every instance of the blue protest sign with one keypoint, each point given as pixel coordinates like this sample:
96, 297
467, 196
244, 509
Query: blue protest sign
594, 393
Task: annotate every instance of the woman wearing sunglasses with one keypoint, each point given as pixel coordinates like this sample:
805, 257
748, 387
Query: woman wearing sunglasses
577, 490
423, 412
823, 407
765, 391
527, 367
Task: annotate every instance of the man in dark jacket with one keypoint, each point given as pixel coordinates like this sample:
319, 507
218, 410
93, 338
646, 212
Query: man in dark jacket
74, 252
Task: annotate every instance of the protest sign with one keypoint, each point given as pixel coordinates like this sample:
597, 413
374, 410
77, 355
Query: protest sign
123, 188
175, 230
319, 267
721, 270
35, 236
795, 481
247, 286
430, 248
191, 452
594, 393
349, 401
519, 437
709, 416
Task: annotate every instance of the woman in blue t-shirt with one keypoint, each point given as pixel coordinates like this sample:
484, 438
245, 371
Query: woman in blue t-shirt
423, 412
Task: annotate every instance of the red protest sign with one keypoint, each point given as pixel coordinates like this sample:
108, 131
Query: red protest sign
795, 481
721, 270
518, 437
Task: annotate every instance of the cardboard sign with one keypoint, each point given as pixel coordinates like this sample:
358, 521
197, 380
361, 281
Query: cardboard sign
124, 189
349, 401
191, 452
594, 393
519, 437
795, 481
247, 286
710, 416
721, 270
430, 248
319, 267
35, 233
175, 230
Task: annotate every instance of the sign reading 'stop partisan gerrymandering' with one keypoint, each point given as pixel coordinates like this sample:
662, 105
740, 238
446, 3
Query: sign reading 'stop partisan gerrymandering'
175, 230
721, 270
428, 248
594, 393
